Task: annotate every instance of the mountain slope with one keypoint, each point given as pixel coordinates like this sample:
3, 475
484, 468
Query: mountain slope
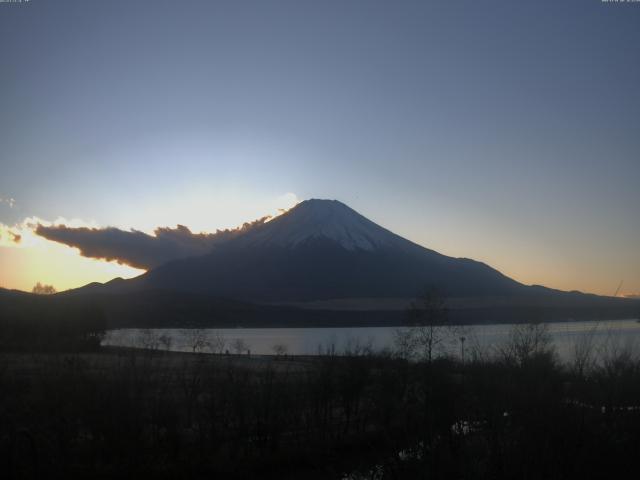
322, 249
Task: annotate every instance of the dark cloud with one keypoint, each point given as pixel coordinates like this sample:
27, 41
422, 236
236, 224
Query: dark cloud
136, 248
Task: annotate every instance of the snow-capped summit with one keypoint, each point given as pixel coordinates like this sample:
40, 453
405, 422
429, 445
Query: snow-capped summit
317, 220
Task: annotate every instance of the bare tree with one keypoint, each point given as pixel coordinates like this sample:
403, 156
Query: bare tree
149, 340
354, 347
195, 339
526, 341
428, 327
42, 289
165, 340
217, 342
280, 349
584, 354
404, 342
239, 346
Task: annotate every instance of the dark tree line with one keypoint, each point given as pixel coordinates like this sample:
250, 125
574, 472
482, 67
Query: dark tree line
165, 415
39, 323
71, 410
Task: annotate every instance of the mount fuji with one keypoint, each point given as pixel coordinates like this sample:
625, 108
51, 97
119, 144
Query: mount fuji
321, 250
323, 264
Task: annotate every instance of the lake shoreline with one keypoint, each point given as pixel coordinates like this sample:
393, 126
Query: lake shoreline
311, 342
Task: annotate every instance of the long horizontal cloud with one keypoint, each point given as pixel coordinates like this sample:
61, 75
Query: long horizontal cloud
138, 249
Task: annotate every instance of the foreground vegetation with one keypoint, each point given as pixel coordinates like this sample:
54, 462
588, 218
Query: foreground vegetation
514, 412
71, 409
38, 323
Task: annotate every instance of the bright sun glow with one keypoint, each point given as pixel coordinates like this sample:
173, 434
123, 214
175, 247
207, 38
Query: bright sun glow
287, 202
27, 258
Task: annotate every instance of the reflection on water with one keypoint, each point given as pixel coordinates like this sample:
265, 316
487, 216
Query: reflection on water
607, 336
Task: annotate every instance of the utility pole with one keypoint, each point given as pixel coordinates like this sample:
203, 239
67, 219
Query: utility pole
618, 289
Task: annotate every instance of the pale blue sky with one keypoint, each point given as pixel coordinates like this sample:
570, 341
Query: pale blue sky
504, 131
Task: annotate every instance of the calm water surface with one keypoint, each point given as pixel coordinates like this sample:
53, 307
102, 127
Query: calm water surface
606, 336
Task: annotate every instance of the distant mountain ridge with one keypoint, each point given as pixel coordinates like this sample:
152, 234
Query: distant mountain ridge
320, 264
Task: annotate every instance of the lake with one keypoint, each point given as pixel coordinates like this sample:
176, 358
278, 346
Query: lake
605, 336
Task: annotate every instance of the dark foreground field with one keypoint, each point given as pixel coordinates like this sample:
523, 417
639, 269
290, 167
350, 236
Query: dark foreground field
126, 414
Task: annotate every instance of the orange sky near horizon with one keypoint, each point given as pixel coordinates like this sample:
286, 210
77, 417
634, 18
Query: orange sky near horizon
36, 259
